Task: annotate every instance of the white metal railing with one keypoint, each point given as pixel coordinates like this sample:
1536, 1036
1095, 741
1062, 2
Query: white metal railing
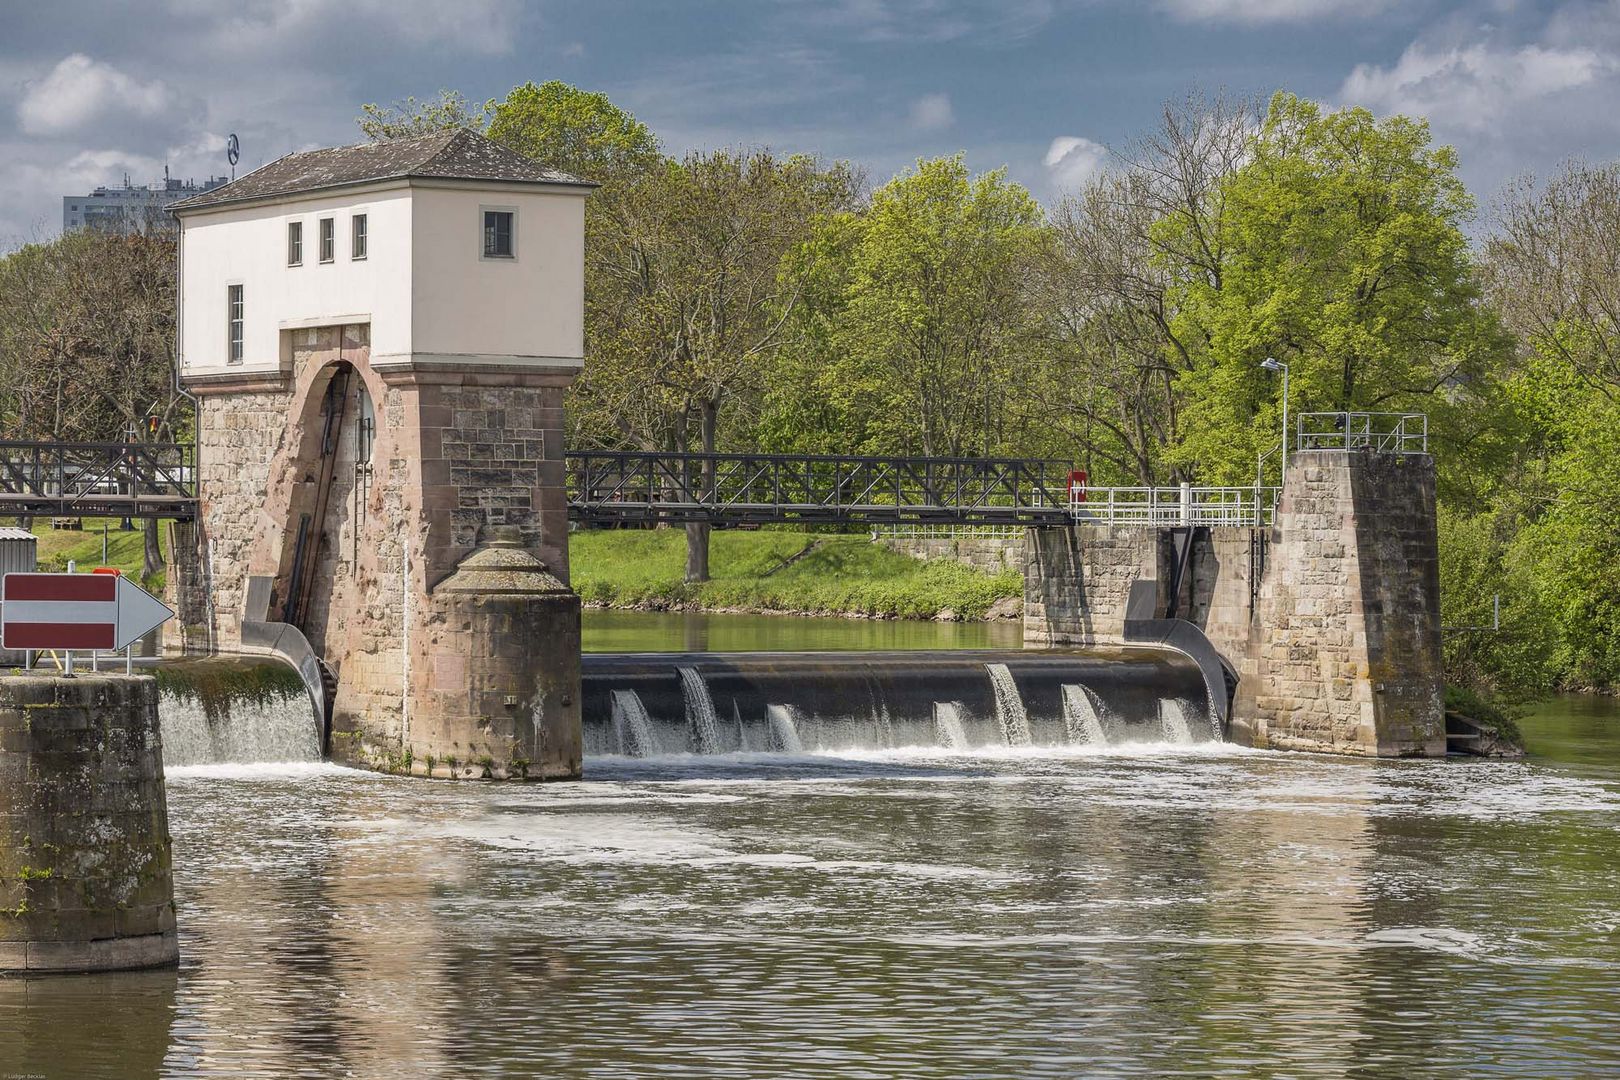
1383, 433
1167, 507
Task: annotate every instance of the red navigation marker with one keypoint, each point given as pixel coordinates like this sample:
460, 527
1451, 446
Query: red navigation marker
76, 611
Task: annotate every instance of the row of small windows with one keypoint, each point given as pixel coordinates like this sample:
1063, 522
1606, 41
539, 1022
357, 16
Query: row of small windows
500, 242
328, 239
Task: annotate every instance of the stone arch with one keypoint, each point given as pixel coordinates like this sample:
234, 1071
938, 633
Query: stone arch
320, 490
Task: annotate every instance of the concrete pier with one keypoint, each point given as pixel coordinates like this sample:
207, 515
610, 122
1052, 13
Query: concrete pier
84, 827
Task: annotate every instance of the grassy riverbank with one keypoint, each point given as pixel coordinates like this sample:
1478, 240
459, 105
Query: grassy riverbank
124, 550
779, 571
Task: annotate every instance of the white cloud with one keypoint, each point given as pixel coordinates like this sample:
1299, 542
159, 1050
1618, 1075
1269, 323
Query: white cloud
1254, 12
1070, 161
932, 112
484, 26
1472, 86
80, 91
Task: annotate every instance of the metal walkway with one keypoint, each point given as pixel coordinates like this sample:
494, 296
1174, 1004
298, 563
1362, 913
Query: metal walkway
48, 479
615, 487
606, 487
158, 480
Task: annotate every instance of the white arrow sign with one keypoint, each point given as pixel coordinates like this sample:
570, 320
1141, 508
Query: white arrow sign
76, 611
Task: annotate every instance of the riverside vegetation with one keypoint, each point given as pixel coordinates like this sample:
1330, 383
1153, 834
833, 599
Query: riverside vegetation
781, 571
755, 299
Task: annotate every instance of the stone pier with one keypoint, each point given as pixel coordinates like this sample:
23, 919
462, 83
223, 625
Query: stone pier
1330, 618
1344, 650
84, 827
351, 492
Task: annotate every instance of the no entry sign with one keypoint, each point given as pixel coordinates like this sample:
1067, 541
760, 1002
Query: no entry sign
76, 611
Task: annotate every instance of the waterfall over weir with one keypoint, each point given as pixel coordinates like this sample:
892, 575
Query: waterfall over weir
1080, 720
236, 711
648, 704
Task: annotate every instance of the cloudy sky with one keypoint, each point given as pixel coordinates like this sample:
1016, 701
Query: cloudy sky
89, 91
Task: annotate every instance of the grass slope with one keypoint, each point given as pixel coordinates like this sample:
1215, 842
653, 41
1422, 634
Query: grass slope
751, 570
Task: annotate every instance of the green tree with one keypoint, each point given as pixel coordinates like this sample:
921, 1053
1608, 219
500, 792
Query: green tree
1551, 268
1104, 379
410, 119
1343, 255
694, 297
915, 343
578, 131
87, 344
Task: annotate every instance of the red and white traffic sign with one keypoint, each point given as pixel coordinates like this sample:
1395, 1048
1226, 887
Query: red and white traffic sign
76, 611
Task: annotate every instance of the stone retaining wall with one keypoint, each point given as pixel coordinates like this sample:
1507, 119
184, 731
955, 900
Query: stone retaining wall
990, 554
1077, 582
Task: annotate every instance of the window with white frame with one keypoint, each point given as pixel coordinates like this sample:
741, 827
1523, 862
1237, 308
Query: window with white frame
357, 236
295, 243
233, 318
328, 239
500, 240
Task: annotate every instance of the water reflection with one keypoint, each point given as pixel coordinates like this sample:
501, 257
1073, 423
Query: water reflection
1196, 910
86, 1025
693, 631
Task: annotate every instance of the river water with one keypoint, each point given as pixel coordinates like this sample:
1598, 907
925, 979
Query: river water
1150, 910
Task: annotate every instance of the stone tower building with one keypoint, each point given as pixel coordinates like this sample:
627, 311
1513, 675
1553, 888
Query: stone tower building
379, 338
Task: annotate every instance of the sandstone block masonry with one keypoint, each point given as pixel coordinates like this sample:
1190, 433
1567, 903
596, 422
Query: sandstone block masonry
1330, 618
1344, 650
990, 554
1077, 582
394, 476
84, 828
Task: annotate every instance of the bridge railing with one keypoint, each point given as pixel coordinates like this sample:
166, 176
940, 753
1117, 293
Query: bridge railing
1168, 507
1380, 432
609, 485
84, 478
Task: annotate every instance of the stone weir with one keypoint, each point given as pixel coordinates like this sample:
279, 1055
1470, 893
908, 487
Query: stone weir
1343, 653
650, 704
498, 686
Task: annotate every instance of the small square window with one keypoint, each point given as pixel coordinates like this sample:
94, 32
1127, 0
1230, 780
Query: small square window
357, 236
295, 243
328, 239
498, 234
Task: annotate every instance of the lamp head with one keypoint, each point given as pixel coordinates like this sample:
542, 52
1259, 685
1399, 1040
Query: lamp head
1271, 363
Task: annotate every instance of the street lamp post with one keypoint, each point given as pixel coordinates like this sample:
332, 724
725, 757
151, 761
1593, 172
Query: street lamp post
1271, 363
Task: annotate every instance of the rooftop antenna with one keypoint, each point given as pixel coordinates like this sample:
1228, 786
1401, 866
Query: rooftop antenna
233, 152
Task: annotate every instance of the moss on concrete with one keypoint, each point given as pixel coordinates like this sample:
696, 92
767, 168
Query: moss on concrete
216, 684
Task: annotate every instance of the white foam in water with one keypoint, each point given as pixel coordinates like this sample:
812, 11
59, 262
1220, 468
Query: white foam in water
273, 727
700, 714
632, 725
1009, 706
948, 729
1173, 718
784, 729
1080, 720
